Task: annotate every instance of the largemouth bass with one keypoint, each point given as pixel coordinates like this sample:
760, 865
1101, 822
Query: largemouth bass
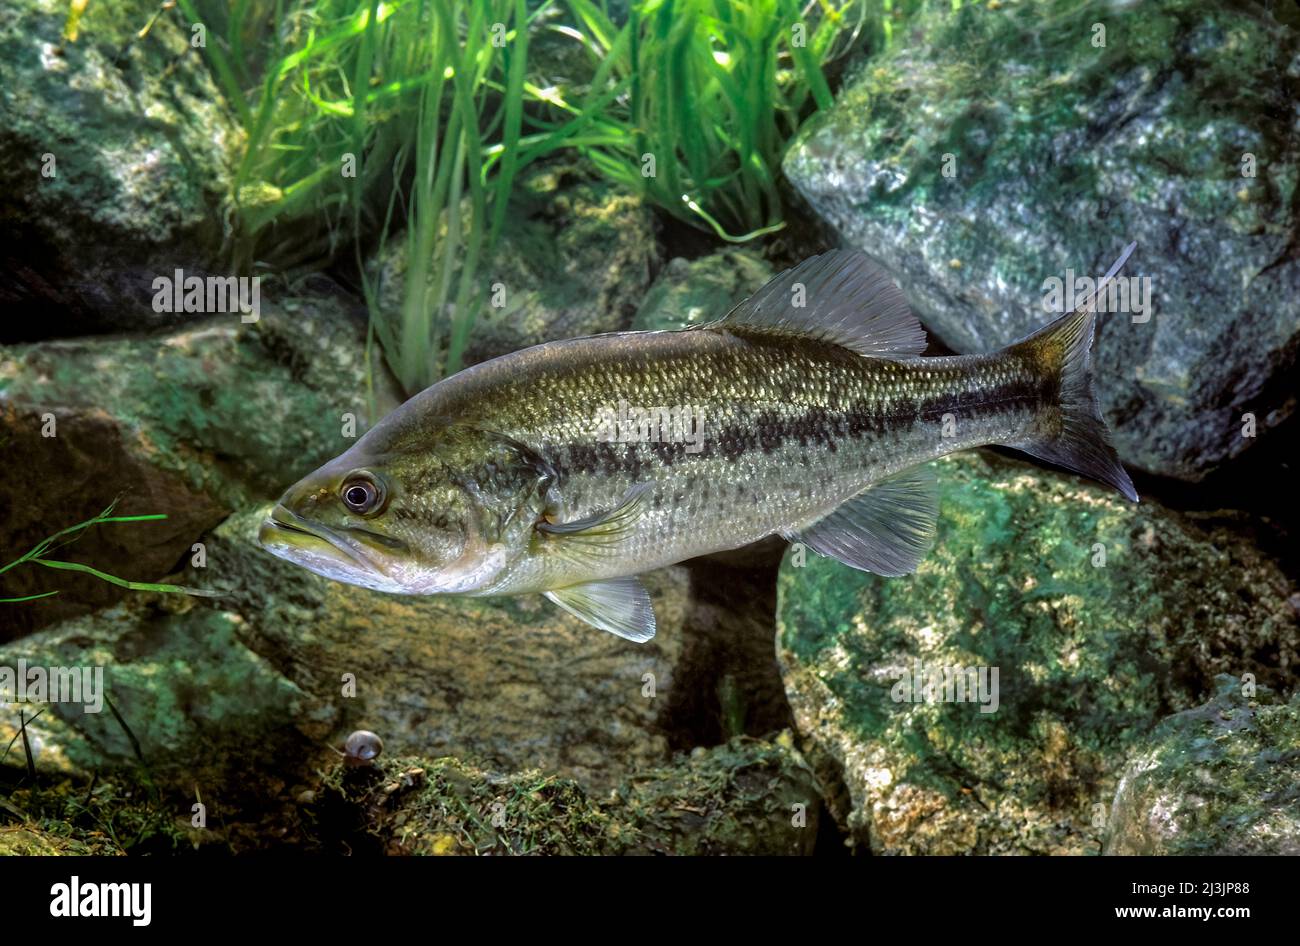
570, 468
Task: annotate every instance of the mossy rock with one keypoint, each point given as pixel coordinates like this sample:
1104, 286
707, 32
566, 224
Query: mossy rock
738, 798
208, 684
192, 423
142, 149
1223, 778
998, 145
32, 841
691, 292
1101, 617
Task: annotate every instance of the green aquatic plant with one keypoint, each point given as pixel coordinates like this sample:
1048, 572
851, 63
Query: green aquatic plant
694, 101
378, 122
37, 555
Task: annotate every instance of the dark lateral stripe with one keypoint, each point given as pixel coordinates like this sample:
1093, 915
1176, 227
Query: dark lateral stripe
816, 428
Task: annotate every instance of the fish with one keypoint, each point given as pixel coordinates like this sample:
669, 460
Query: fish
571, 468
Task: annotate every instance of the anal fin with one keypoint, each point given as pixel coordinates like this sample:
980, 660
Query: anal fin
618, 605
886, 529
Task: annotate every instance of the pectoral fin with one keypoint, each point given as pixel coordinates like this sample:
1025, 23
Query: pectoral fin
886, 529
618, 605
594, 538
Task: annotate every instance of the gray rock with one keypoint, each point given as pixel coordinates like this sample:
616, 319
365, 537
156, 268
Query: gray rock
142, 146
193, 423
690, 292
1099, 616
1223, 778
1063, 152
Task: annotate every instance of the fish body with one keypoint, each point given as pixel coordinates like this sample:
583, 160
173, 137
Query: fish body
569, 468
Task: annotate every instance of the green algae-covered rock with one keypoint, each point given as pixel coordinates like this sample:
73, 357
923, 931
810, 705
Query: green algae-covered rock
998, 146
745, 797
513, 681
192, 423
24, 840
116, 156
1223, 778
284, 659
574, 259
690, 292
189, 692
1099, 616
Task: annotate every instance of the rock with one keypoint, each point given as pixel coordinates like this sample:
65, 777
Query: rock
515, 682
690, 292
575, 260
191, 694
142, 149
1062, 152
1223, 778
744, 797
192, 423
32, 841
1090, 656
733, 799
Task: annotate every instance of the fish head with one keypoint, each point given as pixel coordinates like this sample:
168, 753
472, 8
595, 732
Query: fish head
447, 508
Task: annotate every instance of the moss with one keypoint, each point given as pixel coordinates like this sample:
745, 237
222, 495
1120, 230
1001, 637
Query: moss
116, 816
1089, 658
1222, 778
691, 292
739, 798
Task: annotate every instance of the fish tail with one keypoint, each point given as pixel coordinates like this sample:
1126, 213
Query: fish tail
1071, 432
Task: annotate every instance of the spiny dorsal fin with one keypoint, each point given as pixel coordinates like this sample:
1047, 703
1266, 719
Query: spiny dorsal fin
618, 605
847, 300
886, 529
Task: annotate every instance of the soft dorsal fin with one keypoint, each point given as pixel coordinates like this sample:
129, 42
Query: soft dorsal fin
618, 605
846, 299
886, 529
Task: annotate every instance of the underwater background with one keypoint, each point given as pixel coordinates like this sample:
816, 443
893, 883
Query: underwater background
420, 185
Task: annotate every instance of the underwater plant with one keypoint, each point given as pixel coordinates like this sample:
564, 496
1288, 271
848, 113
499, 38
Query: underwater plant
371, 119
696, 100
37, 556
406, 120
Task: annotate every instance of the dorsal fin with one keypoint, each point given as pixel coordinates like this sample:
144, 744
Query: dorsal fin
840, 297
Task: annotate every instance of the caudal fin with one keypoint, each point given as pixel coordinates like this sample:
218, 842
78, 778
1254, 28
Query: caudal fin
1074, 435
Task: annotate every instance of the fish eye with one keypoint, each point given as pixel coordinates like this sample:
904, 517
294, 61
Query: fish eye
361, 494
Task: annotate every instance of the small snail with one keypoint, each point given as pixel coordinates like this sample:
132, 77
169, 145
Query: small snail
362, 748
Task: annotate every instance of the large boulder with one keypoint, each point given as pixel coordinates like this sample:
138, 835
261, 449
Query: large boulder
996, 147
1222, 778
116, 156
1099, 617
515, 682
194, 423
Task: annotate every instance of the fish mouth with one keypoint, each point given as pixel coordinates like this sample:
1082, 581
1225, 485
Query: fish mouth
285, 530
